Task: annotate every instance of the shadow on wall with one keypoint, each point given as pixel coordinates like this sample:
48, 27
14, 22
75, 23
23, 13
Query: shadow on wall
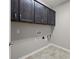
26, 30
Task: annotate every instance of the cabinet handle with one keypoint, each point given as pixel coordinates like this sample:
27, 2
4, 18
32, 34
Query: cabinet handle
15, 15
20, 16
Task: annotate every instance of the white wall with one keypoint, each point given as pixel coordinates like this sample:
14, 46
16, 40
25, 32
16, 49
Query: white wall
24, 38
21, 30
61, 33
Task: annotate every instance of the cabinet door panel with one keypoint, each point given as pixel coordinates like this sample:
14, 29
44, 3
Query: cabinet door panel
51, 17
27, 10
44, 15
14, 10
40, 14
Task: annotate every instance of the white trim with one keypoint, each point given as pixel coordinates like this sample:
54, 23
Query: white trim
67, 50
51, 44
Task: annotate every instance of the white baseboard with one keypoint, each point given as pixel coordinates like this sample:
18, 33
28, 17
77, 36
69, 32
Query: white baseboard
51, 44
67, 50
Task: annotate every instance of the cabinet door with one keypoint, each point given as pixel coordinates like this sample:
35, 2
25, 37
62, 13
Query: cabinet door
51, 17
44, 15
27, 10
40, 13
14, 10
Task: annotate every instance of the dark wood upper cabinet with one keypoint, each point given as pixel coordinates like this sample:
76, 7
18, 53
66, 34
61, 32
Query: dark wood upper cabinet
14, 10
51, 17
31, 11
40, 13
27, 10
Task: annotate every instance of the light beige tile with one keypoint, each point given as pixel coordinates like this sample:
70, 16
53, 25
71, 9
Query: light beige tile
50, 53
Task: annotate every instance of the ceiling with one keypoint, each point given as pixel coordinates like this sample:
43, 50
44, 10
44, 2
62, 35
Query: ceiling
52, 3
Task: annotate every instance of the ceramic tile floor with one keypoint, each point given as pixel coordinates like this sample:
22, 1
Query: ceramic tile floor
50, 53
